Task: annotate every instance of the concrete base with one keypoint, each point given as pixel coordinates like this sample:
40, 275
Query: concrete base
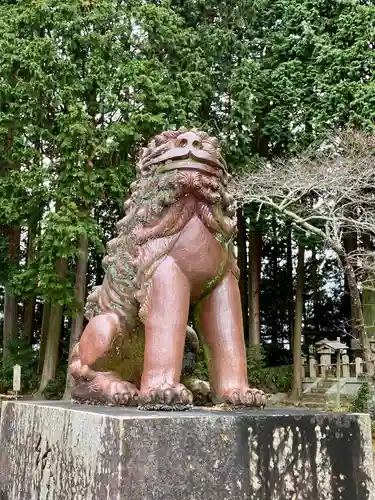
60, 451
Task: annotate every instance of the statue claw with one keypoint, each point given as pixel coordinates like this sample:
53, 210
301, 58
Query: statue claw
244, 397
105, 388
167, 394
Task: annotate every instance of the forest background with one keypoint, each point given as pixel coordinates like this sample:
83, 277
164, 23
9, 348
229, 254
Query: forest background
85, 83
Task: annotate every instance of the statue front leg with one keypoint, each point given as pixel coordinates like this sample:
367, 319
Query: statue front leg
165, 330
220, 320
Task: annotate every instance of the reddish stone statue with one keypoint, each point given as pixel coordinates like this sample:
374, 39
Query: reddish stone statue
172, 262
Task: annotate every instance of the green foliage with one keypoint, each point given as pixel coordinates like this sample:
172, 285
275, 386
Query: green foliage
201, 369
55, 388
255, 363
270, 379
363, 400
81, 90
4, 268
278, 378
21, 353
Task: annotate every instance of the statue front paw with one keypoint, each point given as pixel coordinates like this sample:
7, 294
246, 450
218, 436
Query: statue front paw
165, 395
243, 397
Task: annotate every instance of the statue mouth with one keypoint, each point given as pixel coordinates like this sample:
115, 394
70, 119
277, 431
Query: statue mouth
188, 158
190, 164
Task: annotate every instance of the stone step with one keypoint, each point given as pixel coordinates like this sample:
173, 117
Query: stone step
318, 405
318, 390
313, 396
325, 403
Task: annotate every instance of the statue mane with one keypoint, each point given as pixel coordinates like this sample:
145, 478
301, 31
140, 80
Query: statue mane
157, 211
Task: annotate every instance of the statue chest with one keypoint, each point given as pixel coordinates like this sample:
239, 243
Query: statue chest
199, 256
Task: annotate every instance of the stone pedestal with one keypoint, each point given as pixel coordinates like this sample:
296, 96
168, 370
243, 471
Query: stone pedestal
358, 366
312, 367
59, 451
345, 366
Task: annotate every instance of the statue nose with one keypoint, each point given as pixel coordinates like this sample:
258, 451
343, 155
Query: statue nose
189, 139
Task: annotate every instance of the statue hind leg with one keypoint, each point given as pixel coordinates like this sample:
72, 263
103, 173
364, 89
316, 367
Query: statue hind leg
93, 382
219, 318
200, 388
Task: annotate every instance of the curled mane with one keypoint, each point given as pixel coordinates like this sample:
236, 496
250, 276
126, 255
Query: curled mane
157, 211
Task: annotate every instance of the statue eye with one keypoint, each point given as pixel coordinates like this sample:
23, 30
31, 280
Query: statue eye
197, 144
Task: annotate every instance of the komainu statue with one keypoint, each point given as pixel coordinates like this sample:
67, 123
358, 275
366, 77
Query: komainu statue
172, 263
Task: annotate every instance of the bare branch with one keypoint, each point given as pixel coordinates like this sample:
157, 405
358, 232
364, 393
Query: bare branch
327, 192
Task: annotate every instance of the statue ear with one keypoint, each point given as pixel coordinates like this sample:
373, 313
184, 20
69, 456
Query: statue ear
215, 143
159, 139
